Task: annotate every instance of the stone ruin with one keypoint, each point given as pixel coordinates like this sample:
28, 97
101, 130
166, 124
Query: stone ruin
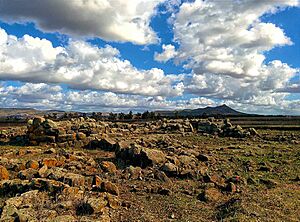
89, 133
224, 128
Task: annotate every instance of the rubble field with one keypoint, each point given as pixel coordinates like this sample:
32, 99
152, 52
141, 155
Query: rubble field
164, 170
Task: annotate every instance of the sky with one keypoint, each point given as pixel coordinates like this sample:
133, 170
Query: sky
116, 55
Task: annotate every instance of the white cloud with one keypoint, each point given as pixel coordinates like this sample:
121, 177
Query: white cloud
168, 53
112, 20
44, 96
224, 44
227, 37
81, 66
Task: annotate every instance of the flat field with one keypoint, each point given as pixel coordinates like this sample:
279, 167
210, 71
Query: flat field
191, 177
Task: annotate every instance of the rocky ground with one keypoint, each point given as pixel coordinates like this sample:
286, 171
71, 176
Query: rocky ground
166, 170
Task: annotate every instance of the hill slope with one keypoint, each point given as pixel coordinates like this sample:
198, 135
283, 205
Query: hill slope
208, 111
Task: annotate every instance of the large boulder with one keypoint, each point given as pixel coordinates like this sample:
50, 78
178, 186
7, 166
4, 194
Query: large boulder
139, 156
106, 144
152, 157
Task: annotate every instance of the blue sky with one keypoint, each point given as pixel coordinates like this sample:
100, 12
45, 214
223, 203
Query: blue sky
171, 55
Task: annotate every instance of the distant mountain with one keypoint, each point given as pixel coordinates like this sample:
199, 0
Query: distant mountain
24, 112
223, 110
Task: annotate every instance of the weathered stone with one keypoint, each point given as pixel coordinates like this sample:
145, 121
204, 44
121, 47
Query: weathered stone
73, 179
14, 187
64, 218
159, 175
43, 171
71, 193
151, 157
97, 203
109, 187
103, 144
97, 181
108, 166
134, 172
66, 137
49, 124
48, 185
27, 174
50, 162
203, 157
37, 121
80, 136
170, 169
210, 195
50, 151
113, 201
4, 175
33, 164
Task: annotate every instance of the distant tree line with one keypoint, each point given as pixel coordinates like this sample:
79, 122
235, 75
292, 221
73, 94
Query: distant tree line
138, 116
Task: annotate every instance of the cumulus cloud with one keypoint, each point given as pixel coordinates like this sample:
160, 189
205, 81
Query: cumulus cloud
223, 43
111, 20
81, 66
168, 53
45, 96
227, 37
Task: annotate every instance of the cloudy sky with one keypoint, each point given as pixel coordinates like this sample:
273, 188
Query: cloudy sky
116, 55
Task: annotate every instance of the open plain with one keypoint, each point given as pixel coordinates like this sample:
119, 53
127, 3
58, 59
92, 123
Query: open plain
164, 170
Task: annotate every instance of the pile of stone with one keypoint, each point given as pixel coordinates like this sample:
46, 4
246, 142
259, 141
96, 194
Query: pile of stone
224, 128
75, 133
175, 163
176, 125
